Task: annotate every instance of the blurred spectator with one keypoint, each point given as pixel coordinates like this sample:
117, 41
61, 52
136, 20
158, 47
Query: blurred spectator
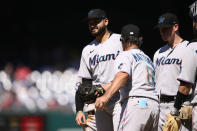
22, 73
44, 90
9, 70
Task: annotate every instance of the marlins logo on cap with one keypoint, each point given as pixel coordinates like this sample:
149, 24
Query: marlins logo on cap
161, 20
167, 20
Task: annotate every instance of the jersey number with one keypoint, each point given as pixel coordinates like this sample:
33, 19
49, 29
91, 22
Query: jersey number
150, 76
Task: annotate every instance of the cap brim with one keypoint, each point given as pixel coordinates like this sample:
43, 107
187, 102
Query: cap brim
91, 18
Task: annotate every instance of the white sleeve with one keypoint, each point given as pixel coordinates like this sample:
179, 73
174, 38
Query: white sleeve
188, 67
84, 70
123, 64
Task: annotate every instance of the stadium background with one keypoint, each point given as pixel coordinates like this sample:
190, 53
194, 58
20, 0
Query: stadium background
40, 47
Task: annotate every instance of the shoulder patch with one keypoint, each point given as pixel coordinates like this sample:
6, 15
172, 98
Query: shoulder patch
164, 48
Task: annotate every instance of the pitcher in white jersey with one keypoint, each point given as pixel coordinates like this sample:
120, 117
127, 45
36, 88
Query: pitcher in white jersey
97, 67
135, 80
188, 75
167, 61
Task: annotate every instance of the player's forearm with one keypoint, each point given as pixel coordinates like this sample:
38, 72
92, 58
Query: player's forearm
118, 82
78, 102
184, 88
107, 86
182, 94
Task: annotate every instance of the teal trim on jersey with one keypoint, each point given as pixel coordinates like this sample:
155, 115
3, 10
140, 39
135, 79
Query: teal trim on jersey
150, 76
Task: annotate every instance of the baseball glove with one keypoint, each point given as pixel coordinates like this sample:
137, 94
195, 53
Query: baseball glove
89, 92
185, 113
172, 123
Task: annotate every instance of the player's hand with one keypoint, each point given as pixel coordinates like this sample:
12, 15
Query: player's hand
101, 102
80, 118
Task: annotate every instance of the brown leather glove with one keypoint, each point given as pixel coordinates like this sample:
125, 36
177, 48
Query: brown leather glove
172, 123
185, 113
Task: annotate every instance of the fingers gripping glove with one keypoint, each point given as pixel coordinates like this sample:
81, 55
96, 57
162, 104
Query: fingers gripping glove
172, 123
185, 113
89, 92
99, 90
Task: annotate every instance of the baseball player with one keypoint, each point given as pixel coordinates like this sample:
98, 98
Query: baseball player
167, 61
188, 75
88, 124
135, 79
96, 66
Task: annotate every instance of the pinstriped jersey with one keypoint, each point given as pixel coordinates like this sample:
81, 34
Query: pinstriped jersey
97, 60
141, 71
167, 62
189, 68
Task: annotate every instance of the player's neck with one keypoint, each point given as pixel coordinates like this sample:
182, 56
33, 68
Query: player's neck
133, 46
175, 41
103, 37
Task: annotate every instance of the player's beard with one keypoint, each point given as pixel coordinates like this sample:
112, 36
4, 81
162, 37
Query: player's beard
100, 31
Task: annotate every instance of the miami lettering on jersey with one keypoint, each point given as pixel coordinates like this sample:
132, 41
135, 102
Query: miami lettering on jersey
141, 57
96, 58
163, 61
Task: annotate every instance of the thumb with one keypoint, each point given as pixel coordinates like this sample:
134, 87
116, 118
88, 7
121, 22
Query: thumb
84, 119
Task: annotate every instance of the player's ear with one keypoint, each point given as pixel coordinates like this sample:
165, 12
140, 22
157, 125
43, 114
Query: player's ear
176, 27
106, 21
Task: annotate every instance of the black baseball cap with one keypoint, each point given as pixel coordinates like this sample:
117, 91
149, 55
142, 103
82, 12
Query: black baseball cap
130, 30
167, 20
96, 14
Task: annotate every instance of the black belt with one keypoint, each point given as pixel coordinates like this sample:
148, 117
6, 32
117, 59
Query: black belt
165, 98
91, 112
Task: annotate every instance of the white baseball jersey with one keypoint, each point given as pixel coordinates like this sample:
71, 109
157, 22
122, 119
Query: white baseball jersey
97, 60
141, 71
189, 68
167, 62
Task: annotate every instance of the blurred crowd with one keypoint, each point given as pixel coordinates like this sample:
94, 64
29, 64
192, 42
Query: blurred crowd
23, 89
